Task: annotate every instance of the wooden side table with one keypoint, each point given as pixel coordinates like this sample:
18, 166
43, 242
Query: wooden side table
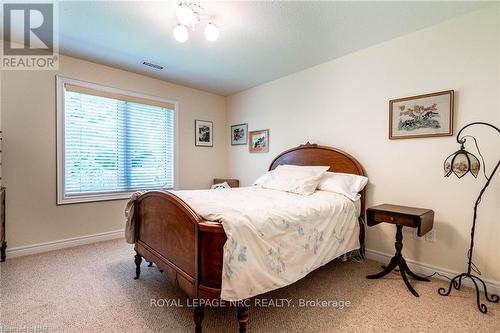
401, 216
231, 182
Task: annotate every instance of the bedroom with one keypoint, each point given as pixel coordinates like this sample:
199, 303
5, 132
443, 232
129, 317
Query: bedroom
211, 107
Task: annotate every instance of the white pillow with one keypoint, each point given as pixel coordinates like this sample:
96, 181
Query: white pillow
295, 179
262, 179
343, 183
220, 186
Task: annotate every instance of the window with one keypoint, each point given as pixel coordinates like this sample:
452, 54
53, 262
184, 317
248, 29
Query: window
112, 142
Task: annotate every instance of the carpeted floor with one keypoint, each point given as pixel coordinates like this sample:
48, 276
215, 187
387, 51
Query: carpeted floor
91, 289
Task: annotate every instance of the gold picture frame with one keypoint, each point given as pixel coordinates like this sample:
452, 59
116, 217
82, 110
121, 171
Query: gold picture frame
422, 116
258, 141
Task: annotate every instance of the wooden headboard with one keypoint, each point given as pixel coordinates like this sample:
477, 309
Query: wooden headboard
312, 154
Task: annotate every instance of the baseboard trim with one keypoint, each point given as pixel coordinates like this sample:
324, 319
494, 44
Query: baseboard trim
62, 244
425, 269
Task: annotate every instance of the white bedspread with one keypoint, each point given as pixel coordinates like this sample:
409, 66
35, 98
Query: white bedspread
275, 238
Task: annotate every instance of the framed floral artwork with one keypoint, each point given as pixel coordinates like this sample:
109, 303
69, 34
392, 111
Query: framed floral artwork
239, 134
421, 116
203, 133
258, 141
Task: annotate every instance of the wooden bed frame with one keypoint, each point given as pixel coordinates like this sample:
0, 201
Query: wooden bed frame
189, 251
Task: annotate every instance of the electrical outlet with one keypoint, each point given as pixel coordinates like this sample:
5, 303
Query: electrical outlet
430, 236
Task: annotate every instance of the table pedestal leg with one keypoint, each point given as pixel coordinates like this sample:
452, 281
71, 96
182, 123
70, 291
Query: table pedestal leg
399, 261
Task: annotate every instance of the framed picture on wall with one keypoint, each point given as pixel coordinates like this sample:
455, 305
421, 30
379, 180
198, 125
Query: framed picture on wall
239, 134
421, 116
258, 141
203, 133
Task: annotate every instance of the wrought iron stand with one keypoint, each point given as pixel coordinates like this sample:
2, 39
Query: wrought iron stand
456, 282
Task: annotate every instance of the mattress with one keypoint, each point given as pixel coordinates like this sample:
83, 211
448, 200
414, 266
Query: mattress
275, 238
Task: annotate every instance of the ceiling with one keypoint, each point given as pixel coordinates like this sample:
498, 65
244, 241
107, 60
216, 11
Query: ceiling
259, 41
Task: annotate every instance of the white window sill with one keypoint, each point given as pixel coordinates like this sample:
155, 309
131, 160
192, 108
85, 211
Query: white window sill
86, 198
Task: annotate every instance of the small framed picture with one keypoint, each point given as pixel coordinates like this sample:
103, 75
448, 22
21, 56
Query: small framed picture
239, 134
421, 116
203, 133
258, 141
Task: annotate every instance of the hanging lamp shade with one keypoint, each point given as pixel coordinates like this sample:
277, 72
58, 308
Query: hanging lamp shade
461, 162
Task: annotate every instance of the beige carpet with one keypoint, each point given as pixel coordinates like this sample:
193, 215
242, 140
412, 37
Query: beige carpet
91, 289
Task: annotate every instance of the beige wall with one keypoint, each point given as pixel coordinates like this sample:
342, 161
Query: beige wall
29, 170
344, 103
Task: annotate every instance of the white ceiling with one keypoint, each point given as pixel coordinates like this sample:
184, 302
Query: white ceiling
259, 41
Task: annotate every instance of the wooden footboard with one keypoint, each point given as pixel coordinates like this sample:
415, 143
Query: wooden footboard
166, 234
170, 234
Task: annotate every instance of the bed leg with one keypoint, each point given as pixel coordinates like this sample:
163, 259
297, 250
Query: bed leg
198, 314
242, 315
137, 260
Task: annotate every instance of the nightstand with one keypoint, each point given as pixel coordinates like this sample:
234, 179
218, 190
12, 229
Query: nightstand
231, 182
401, 216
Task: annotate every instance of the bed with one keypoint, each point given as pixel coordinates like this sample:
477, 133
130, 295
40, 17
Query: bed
189, 249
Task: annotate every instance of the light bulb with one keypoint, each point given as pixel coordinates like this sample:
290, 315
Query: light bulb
211, 32
181, 33
185, 14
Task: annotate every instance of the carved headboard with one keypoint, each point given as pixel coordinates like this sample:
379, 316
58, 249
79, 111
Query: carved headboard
312, 154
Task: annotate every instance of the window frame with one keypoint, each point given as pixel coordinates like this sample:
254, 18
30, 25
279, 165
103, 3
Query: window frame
62, 197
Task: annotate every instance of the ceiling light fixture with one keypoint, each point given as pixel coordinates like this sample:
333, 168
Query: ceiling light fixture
181, 33
211, 32
190, 14
185, 14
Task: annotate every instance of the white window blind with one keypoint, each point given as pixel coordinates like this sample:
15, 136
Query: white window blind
114, 143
